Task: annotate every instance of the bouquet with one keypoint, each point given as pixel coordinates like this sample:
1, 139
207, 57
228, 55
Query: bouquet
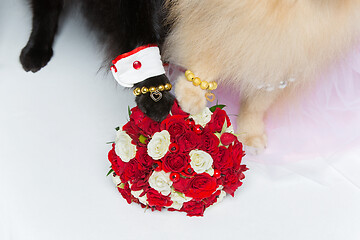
185, 163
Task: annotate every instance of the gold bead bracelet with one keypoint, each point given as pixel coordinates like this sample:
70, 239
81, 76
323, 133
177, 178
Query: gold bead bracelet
155, 92
204, 85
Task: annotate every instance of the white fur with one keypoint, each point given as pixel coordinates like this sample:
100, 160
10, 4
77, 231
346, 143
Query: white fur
246, 43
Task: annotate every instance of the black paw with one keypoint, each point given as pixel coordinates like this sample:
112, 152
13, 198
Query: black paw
34, 58
159, 110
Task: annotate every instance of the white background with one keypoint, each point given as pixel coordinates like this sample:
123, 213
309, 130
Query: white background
53, 160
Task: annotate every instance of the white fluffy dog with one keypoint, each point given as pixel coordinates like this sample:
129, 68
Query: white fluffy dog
262, 49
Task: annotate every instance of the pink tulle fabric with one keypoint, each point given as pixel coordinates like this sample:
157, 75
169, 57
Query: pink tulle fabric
324, 122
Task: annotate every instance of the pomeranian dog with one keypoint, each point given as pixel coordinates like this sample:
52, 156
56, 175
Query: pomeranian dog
262, 49
122, 25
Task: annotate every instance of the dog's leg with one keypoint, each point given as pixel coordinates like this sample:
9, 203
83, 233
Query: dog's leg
38, 51
126, 25
250, 123
191, 98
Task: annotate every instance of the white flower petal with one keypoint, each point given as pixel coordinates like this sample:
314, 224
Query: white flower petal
230, 129
203, 117
159, 145
160, 181
200, 161
123, 146
142, 199
116, 179
221, 197
210, 171
178, 199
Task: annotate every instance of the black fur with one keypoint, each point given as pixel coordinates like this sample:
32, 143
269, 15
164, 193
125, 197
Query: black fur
147, 106
38, 51
122, 25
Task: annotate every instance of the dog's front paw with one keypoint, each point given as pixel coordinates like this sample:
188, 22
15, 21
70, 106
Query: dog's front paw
157, 111
254, 145
34, 58
191, 98
251, 131
159, 105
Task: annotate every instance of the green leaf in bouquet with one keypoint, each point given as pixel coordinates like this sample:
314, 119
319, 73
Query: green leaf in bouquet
183, 177
110, 172
110, 142
213, 108
129, 111
217, 134
146, 208
142, 139
224, 127
121, 185
117, 128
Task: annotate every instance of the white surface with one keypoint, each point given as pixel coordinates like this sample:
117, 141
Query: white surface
53, 159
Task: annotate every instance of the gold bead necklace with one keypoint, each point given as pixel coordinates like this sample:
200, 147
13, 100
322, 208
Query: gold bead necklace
204, 85
155, 92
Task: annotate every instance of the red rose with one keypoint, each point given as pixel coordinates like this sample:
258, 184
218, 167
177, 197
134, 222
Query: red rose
209, 142
223, 159
181, 185
212, 199
243, 168
175, 125
143, 158
231, 181
140, 184
133, 171
116, 164
175, 162
227, 138
137, 115
133, 131
155, 199
201, 186
176, 110
147, 126
126, 193
218, 119
194, 208
188, 141
236, 154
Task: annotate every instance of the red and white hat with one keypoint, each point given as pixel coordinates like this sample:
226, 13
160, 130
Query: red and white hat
136, 66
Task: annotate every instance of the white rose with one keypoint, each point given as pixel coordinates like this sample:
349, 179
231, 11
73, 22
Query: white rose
178, 199
159, 145
123, 146
203, 117
200, 161
210, 171
221, 197
230, 129
160, 181
142, 199
116, 179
